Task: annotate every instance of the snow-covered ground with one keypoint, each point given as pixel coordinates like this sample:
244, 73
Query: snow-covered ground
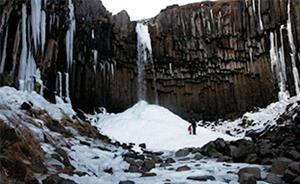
15, 98
162, 130
254, 121
154, 125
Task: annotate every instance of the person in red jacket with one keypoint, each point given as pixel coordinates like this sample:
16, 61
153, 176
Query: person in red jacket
192, 128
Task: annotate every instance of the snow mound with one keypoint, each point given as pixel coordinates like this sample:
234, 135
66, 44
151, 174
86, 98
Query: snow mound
14, 99
154, 125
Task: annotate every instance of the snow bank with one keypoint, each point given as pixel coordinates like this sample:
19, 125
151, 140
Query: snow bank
14, 99
156, 126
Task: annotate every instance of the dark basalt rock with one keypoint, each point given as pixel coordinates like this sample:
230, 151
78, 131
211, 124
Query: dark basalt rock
280, 165
127, 182
274, 179
182, 152
149, 174
170, 160
183, 168
55, 179
201, 178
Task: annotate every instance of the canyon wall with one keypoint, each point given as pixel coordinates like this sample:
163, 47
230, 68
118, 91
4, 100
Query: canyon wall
209, 60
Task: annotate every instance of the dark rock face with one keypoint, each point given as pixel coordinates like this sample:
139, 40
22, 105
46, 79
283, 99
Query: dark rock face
210, 59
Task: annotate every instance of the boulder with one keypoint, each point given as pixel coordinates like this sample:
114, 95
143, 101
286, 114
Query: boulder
247, 179
274, 179
143, 145
170, 160
255, 171
148, 165
149, 174
198, 156
280, 165
126, 182
201, 178
183, 168
26, 106
241, 150
249, 175
165, 165
292, 173
182, 152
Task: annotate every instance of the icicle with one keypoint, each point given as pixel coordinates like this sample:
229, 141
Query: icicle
31, 71
2, 64
67, 88
39, 80
95, 59
253, 6
293, 49
143, 48
251, 59
59, 84
36, 15
70, 35
273, 52
23, 57
43, 31
259, 16
171, 69
112, 69
93, 34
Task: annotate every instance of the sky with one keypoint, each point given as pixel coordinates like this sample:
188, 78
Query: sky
140, 9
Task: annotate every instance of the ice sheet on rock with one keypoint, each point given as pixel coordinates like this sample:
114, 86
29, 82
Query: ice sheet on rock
154, 125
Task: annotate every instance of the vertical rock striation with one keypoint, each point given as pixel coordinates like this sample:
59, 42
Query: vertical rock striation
209, 60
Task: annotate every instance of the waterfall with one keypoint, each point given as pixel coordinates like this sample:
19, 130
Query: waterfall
70, 35
144, 50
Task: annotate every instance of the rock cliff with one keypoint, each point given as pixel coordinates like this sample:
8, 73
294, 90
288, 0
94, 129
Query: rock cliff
209, 60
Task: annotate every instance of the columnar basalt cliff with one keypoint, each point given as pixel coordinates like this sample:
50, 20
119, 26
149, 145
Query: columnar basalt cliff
34, 38
209, 60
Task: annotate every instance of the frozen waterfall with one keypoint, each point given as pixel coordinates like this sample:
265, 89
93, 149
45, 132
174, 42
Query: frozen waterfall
144, 53
28, 71
293, 49
70, 35
278, 57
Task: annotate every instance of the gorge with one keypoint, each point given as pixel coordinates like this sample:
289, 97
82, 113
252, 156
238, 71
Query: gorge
232, 66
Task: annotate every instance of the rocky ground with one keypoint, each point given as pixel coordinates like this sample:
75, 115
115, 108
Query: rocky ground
40, 146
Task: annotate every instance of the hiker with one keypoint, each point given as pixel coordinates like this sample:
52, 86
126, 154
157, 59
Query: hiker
194, 125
